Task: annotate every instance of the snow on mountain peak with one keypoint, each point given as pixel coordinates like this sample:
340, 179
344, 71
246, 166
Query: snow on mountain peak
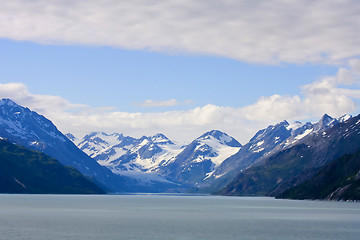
279, 128
217, 146
123, 154
325, 122
344, 118
98, 143
23, 123
222, 137
295, 125
160, 139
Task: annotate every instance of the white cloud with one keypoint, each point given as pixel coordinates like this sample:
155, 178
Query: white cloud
323, 96
81, 119
43, 103
273, 108
326, 95
252, 31
162, 103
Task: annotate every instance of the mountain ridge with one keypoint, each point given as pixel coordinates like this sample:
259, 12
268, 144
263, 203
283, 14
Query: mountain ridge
209, 163
297, 163
27, 128
156, 155
194, 167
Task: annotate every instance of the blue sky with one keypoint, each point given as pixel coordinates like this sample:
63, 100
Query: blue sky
107, 76
180, 67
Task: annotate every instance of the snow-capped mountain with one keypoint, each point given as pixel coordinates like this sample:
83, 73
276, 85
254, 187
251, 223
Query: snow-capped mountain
334, 140
24, 127
105, 147
124, 155
344, 118
158, 158
155, 163
146, 155
209, 162
267, 142
300, 130
201, 158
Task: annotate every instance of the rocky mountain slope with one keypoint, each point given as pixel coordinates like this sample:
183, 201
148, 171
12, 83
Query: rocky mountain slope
27, 128
208, 163
278, 158
200, 159
265, 143
338, 180
298, 162
124, 155
158, 158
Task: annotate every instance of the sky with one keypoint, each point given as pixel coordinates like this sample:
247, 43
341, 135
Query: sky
180, 67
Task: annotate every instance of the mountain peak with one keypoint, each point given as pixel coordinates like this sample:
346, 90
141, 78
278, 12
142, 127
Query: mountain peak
160, 135
92, 134
160, 138
27, 128
220, 136
8, 102
283, 123
326, 118
215, 133
282, 127
325, 122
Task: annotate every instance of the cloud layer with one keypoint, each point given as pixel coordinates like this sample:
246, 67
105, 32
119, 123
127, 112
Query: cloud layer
252, 31
334, 95
149, 103
327, 95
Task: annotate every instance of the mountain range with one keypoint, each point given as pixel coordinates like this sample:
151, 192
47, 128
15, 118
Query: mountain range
158, 158
210, 162
264, 144
21, 126
300, 161
275, 160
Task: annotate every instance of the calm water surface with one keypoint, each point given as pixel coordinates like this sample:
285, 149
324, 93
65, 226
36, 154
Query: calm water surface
158, 217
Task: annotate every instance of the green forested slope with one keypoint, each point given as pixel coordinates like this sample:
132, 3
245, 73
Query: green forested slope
26, 171
339, 180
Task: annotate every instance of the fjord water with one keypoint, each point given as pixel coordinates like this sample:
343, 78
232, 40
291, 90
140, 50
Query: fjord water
164, 217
